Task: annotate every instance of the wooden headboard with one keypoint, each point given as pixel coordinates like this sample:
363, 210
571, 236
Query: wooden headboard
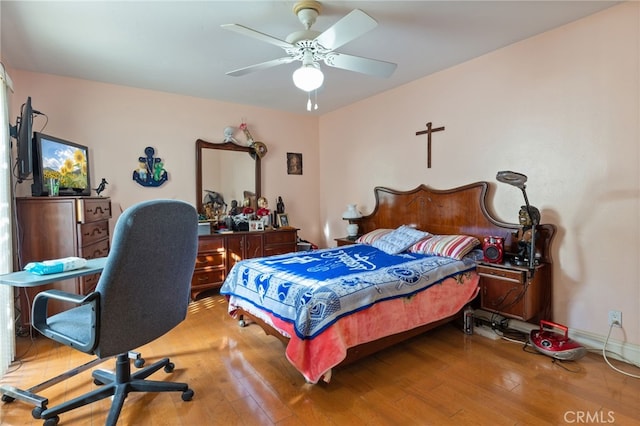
461, 210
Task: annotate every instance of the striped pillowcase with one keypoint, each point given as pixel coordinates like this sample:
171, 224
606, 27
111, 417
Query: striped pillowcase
454, 246
372, 236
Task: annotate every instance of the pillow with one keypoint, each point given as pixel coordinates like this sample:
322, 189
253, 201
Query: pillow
476, 255
370, 237
399, 239
455, 246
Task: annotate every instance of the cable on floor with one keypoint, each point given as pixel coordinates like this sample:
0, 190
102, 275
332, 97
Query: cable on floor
604, 355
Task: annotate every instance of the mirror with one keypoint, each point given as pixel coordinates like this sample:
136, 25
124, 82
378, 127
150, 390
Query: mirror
227, 169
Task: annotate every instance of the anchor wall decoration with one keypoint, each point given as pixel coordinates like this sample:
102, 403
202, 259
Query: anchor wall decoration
150, 171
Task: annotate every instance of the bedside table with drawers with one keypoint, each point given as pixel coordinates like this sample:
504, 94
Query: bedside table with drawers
344, 241
508, 290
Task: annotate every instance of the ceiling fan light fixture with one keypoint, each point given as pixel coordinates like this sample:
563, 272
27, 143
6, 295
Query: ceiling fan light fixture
308, 77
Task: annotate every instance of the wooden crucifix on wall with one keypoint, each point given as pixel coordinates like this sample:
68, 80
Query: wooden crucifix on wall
429, 130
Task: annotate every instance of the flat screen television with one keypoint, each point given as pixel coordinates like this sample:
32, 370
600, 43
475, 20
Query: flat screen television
23, 132
61, 159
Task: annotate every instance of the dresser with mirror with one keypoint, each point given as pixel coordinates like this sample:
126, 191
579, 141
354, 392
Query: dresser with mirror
231, 170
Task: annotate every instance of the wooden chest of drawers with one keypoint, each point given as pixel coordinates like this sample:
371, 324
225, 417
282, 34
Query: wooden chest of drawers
211, 265
56, 227
217, 253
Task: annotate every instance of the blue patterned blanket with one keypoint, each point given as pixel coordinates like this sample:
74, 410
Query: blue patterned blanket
313, 289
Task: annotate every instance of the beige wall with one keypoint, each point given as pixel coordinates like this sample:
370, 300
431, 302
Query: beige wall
562, 107
118, 123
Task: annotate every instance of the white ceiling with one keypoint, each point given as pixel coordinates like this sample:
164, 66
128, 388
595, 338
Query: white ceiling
179, 46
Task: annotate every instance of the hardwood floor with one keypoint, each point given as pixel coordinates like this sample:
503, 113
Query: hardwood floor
241, 377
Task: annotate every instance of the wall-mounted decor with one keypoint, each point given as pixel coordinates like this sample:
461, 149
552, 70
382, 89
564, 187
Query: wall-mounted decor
428, 132
150, 171
294, 163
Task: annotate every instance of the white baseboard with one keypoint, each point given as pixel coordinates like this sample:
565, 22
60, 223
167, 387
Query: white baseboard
617, 349
622, 351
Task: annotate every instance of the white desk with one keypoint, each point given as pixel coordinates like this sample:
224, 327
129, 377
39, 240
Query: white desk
27, 279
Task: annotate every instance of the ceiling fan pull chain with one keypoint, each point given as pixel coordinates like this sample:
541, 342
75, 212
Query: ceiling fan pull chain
316, 103
308, 101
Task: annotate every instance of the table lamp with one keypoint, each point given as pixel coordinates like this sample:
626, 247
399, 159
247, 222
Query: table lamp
352, 214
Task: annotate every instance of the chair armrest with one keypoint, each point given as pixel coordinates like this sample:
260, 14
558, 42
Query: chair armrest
41, 301
40, 320
62, 296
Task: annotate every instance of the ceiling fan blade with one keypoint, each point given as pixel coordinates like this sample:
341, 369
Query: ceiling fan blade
352, 26
359, 64
261, 66
241, 29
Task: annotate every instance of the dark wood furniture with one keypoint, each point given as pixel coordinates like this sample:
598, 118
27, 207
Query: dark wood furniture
461, 210
344, 241
57, 227
217, 253
510, 291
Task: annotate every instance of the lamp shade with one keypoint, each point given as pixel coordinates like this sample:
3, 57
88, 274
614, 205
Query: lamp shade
351, 212
308, 77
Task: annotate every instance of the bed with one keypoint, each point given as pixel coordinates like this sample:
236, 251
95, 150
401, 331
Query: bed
412, 269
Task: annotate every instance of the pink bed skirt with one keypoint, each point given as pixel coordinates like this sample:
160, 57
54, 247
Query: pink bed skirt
316, 357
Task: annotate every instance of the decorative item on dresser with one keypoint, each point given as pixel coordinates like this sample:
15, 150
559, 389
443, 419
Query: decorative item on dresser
101, 187
57, 227
283, 221
217, 253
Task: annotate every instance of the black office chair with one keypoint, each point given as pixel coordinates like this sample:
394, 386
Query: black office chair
143, 292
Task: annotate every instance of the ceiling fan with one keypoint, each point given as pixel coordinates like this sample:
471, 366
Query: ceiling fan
310, 47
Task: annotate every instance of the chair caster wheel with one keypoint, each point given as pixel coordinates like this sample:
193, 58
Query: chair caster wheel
242, 323
187, 395
97, 382
52, 421
7, 398
139, 363
37, 411
169, 367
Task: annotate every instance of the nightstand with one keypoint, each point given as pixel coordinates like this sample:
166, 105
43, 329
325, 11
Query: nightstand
345, 241
507, 290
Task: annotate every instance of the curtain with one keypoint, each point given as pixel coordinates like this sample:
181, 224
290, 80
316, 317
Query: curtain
7, 325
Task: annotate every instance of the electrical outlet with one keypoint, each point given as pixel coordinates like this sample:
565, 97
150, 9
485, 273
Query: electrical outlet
615, 318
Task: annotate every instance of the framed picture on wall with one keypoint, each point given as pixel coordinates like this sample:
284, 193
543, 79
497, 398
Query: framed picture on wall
294, 163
